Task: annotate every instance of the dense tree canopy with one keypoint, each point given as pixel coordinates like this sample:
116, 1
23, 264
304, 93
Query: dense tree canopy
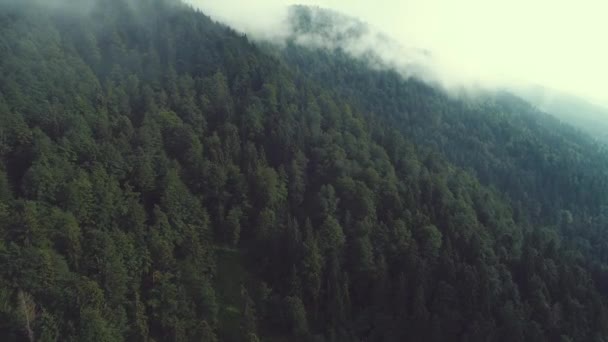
164, 179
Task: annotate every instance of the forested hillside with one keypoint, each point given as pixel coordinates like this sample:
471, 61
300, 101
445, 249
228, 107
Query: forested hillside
164, 179
507, 142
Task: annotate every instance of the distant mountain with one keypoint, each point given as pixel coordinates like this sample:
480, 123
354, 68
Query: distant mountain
323, 28
571, 109
317, 27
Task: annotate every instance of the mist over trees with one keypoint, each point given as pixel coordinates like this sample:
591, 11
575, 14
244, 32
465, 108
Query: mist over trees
163, 178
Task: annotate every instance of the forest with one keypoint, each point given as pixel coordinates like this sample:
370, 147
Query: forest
165, 178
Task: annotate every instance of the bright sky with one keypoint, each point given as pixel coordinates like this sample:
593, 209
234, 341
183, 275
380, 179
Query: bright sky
562, 44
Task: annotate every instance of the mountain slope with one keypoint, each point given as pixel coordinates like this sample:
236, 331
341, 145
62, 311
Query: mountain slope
162, 178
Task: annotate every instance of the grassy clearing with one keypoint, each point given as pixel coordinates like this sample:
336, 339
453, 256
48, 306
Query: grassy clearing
230, 276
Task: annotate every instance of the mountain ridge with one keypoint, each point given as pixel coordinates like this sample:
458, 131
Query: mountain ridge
325, 28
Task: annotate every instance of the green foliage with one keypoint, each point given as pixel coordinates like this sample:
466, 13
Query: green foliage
331, 236
96, 328
430, 241
296, 316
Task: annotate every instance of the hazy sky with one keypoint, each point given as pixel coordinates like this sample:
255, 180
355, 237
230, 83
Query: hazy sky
562, 44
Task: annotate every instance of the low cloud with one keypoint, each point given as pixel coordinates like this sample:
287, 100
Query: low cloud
472, 43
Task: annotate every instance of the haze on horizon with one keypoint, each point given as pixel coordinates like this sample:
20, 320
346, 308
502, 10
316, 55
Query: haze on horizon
559, 45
